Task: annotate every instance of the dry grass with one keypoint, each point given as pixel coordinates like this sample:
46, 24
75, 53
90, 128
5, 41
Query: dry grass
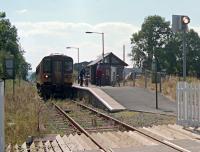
168, 85
21, 112
141, 119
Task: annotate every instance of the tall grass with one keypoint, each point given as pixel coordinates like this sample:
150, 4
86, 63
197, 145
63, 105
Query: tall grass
21, 112
168, 85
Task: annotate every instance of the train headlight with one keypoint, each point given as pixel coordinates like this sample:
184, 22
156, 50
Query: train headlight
46, 76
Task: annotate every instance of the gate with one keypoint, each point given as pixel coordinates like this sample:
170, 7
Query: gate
188, 104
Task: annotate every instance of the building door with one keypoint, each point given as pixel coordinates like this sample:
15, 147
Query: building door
57, 71
113, 74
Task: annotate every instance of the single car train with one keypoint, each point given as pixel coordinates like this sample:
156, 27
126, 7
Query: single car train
54, 75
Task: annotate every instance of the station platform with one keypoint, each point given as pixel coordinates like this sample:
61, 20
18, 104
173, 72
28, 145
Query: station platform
131, 98
141, 99
110, 103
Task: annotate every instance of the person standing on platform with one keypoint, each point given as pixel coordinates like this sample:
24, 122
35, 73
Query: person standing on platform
98, 75
82, 74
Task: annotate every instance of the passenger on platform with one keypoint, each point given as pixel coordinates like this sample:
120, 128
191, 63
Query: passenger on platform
86, 79
82, 75
98, 75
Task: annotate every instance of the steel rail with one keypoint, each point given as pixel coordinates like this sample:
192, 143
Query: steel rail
81, 129
129, 127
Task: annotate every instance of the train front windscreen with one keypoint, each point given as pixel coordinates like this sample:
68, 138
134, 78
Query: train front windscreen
68, 66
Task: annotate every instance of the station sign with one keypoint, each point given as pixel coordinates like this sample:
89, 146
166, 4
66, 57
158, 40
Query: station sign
9, 69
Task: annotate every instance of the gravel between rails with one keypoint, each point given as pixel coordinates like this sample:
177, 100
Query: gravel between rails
136, 119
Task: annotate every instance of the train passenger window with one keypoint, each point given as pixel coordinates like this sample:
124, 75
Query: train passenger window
47, 65
68, 65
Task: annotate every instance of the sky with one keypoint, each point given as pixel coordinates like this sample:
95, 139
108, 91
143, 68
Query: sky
49, 26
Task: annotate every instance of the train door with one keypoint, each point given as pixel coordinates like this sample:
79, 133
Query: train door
57, 71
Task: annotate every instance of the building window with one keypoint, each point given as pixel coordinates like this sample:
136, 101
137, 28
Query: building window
114, 60
106, 60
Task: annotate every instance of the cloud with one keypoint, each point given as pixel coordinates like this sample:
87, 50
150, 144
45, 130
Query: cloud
42, 38
22, 11
58, 28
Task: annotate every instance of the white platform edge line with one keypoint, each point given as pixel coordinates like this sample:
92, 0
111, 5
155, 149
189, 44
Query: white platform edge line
101, 99
104, 102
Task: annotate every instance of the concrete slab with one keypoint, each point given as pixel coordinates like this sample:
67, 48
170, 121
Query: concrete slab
189, 144
140, 99
103, 97
157, 148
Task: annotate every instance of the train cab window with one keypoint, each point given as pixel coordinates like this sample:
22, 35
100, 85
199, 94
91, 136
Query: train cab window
68, 66
37, 70
47, 65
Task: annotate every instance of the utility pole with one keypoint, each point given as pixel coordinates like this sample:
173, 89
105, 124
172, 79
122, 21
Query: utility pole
102, 46
70, 47
184, 57
124, 61
124, 53
156, 77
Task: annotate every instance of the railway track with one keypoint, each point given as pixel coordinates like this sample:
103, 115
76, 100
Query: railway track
97, 131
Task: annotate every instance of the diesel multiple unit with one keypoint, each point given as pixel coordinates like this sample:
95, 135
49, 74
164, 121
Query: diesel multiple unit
54, 75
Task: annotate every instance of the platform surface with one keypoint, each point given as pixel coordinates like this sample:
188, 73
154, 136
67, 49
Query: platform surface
140, 99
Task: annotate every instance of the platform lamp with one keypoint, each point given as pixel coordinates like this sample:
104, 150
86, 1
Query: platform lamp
102, 42
69, 47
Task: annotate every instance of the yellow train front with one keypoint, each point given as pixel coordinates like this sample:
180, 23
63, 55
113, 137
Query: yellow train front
54, 76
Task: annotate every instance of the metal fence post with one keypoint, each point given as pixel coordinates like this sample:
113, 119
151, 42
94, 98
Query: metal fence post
2, 116
145, 78
160, 83
134, 77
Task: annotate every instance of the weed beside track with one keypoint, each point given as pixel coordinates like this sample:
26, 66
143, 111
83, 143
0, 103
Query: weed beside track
93, 123
27, 115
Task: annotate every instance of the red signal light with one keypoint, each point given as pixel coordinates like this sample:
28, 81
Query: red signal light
185, 20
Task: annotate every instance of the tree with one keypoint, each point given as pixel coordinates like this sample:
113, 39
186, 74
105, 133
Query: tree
9, 45
193, 52
150, 41
156, 38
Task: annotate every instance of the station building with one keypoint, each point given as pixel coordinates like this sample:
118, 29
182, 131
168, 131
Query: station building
112, 67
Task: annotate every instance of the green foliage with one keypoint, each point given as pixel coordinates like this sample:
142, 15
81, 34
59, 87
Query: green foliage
193, 52
2, 14
33, 77
9, 45
150, 40
156, 39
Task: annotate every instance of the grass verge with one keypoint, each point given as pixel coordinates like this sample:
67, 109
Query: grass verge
21, 112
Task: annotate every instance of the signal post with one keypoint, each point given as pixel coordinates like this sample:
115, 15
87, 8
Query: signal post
180, 24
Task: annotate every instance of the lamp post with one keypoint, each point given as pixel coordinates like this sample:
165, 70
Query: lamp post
77, 57
102, 42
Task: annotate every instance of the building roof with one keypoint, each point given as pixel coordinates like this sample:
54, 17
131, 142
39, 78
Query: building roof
99, 59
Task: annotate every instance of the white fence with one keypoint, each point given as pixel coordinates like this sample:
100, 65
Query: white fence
1, 116
188, 104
